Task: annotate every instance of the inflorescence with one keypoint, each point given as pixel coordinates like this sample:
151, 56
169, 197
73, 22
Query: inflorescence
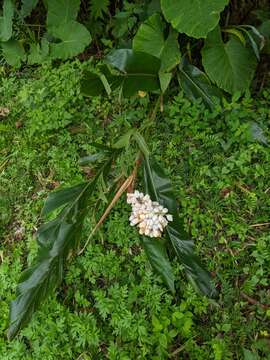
149, 216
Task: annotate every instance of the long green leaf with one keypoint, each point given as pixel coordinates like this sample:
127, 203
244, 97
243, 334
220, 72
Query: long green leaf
55, 239
157, 255
196, 85
159, 187
62, 197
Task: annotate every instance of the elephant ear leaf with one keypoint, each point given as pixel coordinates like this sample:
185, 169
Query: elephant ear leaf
194, 18
159, 187
230, 65
56, 239
73, 38
137, 70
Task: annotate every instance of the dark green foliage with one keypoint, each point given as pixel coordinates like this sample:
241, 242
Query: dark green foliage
231, 66
159, 187
139, 71
193, 18
111, 305
35, 32
156, 252
56, 239
196, 85
64, 36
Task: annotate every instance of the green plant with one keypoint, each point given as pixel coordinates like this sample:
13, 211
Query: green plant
60, 236
153, 28
64, 37
218, 170
149, 66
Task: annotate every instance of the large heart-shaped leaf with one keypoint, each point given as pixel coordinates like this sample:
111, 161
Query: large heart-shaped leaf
13, 52
139, 71
193, 17
157, 255
55, 239
159, 187
62, 11
150, 38
74, 39
6, 20
196, 85
230, 65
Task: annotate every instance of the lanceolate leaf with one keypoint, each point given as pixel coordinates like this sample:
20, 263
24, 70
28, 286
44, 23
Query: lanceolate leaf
157, 255
256, 39
264, 29
74, 39
139, 71
230, 65
62, 197
150, 39
6, 20
196, 85
89, 159
62, 11
193, 17
55, 239
158, 186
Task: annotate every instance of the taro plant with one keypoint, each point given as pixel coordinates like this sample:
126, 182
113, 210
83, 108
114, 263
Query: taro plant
64, 37
161, 52
196, 40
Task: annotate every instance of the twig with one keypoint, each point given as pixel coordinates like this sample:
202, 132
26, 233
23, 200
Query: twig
121, 190
177, 351
4, 163
253, 301
2, 166
261, 224
243, 188
181, 348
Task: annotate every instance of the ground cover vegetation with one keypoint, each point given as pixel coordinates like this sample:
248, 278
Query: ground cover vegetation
111, 120
111, 305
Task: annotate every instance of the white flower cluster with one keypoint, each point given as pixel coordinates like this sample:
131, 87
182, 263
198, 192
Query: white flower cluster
149, 216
